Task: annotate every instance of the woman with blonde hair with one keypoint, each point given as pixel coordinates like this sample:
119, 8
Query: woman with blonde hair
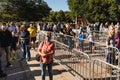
25, 40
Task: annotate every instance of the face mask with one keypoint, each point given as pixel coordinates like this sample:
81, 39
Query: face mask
47, 38
3, 27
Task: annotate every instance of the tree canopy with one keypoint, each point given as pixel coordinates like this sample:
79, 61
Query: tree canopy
95, 10
59, 16
27, 10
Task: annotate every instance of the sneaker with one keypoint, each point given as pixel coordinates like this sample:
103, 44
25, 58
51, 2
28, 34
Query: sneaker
14, 58
3, 75
29, 59
11, 59
9, 65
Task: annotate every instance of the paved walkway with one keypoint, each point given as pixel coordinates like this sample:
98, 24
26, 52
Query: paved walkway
24, 70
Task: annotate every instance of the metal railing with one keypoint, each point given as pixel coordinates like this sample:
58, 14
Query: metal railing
77, 63
105, 71
84, 65
97, 50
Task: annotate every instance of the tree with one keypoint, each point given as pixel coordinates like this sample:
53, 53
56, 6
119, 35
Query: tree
52, 16
95, 10
104, 10
28, 10
114, 10
60, 16
77, 7
68, 17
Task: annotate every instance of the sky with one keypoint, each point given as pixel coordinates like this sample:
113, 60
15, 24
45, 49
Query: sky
57, 5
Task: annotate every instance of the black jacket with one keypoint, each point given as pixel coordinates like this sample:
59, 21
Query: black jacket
5, 38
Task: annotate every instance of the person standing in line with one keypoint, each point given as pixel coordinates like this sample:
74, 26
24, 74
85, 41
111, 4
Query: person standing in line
91, 40
33, 33
96, 29
110, 60
15, 34
2, 74
117, 38
81, 38
25, 40
5, 41
46, 49
110, 38
69, 36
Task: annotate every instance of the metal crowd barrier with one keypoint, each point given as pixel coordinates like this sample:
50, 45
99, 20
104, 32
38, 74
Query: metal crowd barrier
84, 65
100, 36
105, 71
97, 50
76, 62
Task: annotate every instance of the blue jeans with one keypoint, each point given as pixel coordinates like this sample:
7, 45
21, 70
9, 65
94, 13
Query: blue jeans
69, 42
26, 49
43, 70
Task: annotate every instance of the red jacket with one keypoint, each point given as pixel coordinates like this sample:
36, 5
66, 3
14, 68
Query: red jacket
46, 48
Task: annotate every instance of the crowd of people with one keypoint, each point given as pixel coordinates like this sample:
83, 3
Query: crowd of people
14, 34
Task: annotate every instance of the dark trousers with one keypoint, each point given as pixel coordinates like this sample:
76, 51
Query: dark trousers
1, 68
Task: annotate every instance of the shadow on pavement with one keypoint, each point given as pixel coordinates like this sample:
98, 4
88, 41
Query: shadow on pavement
19, 71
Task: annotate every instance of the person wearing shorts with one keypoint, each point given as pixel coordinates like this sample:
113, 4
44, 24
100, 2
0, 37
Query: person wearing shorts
33, 33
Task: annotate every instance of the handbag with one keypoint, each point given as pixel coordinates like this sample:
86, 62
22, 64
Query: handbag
37, 57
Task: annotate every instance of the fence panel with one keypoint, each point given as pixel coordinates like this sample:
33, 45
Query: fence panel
77, 62
105, 71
